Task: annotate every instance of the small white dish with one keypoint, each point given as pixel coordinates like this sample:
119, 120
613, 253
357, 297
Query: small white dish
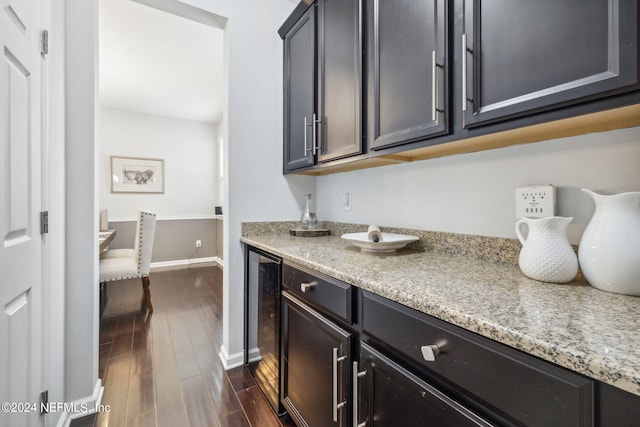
390, 241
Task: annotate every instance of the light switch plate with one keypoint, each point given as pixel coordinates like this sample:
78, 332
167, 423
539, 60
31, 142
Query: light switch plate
536, 201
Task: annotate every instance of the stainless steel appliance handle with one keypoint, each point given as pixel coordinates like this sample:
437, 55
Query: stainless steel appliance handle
354, 379
335, 403
304, 287
464, 72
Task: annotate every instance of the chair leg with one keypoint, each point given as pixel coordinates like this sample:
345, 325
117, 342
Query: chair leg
147, 293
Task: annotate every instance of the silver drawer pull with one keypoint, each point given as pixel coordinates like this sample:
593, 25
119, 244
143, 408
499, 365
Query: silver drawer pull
304, 287
431, 352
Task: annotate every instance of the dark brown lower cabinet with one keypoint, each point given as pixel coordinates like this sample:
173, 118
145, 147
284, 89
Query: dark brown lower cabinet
389, 395
358, 359
496, 379
316, 366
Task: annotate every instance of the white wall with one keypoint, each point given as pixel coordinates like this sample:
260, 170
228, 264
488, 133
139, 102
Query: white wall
190, 154
474, 193
256, 190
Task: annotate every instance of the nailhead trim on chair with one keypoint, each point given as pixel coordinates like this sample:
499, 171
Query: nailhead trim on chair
139, 272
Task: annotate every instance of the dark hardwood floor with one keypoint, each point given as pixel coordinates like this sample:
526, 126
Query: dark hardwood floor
163, 369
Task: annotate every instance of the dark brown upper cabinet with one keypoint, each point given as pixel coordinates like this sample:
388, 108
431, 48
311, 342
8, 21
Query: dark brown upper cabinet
520, 58
299, 93
407, 71
323, 84
373, 82
339, 90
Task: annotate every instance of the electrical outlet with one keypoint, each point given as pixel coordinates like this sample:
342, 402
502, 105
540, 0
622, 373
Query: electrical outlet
198, 243
346, 201
536, 201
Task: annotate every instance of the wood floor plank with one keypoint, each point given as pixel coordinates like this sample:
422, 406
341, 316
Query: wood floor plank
235, 419
123, 336
186, 358
141, 396
163, 369
256, 408
240, 378
146, 420
142, 345
115, 392
169, 400
103, 357
107, 326
219, 388
200, 411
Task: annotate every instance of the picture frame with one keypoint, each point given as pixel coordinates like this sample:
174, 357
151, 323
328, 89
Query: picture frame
137, 175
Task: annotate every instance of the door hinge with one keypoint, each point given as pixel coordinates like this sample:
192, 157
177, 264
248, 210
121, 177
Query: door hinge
44, 222
44, 47
44, 402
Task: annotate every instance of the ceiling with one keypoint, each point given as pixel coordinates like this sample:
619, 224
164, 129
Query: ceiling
158, 63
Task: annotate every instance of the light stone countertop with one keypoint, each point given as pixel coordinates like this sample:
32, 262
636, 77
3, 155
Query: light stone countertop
576, 326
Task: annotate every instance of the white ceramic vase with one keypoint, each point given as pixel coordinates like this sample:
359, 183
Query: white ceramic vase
609, 251
546, 253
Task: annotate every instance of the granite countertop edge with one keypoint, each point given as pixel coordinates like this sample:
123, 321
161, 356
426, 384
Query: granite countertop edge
562, 346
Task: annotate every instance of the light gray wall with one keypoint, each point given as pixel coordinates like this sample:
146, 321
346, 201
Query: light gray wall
174, 239
81, 295
189, 151
220, 238
475, 193
56, 339
256, 190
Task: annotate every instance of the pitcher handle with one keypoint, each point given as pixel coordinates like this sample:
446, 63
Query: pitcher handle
519, 230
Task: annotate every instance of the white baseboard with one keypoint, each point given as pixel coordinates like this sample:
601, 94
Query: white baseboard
254, 355
82, 407
182, 263
220, 262
167, 218
230, 361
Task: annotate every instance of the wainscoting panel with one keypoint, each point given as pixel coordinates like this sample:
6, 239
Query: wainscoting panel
175, 238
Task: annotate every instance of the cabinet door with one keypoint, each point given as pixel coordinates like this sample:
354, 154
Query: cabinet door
522, 57
389, 395
316, 357
407, 71
339, 78
299, 83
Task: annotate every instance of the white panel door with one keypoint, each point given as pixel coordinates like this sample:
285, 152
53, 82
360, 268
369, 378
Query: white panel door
21, 244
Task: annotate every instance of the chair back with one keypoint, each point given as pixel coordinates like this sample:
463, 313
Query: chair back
145, 234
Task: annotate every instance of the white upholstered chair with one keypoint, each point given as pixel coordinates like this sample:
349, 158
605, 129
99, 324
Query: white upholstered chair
122, 264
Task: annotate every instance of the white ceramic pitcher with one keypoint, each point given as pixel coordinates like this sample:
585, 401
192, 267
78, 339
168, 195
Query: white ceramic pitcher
609, 250
546, 253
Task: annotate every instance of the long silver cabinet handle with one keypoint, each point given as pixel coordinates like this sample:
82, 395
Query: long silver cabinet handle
354, 379
304, 287
306, 125
305, 136
464, 72
434, 87
315, 138
336, 405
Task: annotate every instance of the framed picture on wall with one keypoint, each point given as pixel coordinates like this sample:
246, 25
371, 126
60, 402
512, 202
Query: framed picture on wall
137, 175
